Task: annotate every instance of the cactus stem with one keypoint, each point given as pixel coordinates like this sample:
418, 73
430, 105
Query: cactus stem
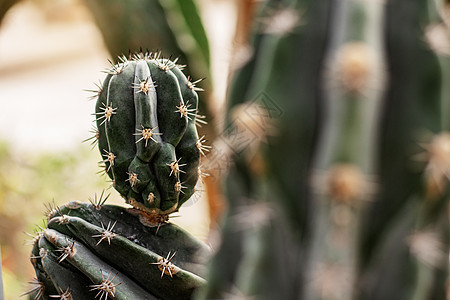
38, 287
98, 202
144, 86
132, 178
191, 84
67, 252
106, 287
165, 265
147, 133
110, 157
175, 167
201, 147
107, 113
107, 233
63, 295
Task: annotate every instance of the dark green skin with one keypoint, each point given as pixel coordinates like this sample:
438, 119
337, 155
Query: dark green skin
133, 253
175, 135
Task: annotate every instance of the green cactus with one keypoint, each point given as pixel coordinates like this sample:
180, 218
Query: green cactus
146, 119
146, 115
94, 250
343, 196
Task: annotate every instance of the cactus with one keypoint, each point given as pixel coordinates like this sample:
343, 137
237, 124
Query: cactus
94, 250
345, 195
146, 119
146, 115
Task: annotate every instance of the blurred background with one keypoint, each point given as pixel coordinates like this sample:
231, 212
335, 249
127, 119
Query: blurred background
51, 53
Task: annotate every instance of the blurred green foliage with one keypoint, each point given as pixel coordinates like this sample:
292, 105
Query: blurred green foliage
27, 182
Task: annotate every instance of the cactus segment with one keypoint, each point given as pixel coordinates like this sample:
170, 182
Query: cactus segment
65, 277
120, 287
124, 250
91, 251
146, 114
191, 253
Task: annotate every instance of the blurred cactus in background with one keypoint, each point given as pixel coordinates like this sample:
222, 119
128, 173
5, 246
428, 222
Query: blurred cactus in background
338, 137
336, 147
5, 5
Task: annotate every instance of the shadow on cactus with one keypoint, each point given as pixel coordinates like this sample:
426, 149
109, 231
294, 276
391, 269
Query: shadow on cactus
146, 115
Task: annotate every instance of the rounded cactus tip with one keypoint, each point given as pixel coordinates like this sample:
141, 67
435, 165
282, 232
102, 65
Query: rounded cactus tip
146, 115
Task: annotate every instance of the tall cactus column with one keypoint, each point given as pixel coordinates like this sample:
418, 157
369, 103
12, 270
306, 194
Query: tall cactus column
146, 115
